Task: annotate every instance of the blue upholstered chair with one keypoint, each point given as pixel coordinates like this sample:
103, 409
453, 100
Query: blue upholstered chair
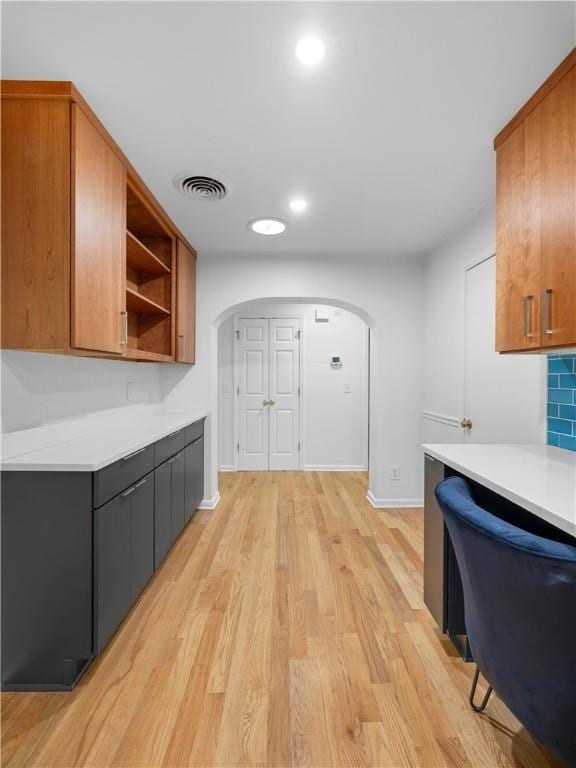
520, 610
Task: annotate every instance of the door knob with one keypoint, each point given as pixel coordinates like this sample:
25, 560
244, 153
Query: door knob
268, 402
466, 424
271, 402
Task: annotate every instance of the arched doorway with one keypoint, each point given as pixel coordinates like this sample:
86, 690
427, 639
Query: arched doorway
250, 306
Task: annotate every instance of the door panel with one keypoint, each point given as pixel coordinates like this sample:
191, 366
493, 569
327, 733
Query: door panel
112, 567
284, 393
508, 416
162, 512
186, 305
99, 240
559, 213
253, 392
194, 461
141, 536
178, 494
518, 237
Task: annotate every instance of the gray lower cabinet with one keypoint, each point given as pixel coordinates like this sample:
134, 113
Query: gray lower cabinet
46, 579
111, 567
78, 548
141, 535
178, 488
162, 512
194, 493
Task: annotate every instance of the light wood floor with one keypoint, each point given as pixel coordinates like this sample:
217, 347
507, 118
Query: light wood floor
286, 628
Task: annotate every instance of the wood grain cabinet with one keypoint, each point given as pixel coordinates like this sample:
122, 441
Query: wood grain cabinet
186, 305
91, 263
536, 219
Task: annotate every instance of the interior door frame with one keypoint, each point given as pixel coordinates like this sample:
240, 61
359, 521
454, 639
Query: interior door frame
479, 259
236, 377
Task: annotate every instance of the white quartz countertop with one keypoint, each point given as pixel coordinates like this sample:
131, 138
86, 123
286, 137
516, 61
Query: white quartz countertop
539, 478
90, 446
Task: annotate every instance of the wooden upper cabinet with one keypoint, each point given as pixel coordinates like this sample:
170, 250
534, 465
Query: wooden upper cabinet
89, 257
518, 239
35, 224
536, 219
186, 304
559, 214
99, 320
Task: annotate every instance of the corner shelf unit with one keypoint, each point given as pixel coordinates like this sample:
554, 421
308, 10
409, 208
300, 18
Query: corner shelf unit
150, 289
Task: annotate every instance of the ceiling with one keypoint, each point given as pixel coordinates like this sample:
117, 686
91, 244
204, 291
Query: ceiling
389, 138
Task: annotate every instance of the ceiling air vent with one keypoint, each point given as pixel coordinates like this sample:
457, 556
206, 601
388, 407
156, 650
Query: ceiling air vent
199, 187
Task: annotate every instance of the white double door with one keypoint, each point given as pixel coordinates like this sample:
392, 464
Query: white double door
268, 393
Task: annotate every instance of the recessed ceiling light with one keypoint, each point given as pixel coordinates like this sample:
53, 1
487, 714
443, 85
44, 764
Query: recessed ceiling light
268, 226
310, 50
298, 205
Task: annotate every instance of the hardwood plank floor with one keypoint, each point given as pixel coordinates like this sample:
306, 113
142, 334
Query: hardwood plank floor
286, 628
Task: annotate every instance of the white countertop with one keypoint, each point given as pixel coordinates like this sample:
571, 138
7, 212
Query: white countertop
539, 478
91, 444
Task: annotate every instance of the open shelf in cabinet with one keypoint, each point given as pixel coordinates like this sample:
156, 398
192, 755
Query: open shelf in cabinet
150, 257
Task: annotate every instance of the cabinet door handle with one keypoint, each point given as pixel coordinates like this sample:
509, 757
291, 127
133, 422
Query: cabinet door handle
181, 345
546, 311
528, 316
131, 455
145, 480
129, 491
124, 341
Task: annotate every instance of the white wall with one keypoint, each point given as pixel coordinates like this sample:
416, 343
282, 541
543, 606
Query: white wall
40, 389
388, 290
334, 401
445, 333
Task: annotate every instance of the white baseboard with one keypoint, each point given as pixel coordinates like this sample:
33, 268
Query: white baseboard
393, 503
210, 503
226, 468
334, 468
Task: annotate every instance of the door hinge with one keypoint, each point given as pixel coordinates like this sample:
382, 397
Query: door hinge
298, 446
298, 391
298, 334
238, 447
237, 334
237, 390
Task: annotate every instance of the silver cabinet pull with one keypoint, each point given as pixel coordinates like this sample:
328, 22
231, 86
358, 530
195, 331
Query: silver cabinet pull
124, 341
181, 345
129, 491
546, 308
141, 482
131, 455
528, 316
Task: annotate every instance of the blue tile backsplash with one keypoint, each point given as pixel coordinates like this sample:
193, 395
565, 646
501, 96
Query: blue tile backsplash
562, 401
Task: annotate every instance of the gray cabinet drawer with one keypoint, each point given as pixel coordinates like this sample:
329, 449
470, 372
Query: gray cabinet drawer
193, 431
168, 446
111, 480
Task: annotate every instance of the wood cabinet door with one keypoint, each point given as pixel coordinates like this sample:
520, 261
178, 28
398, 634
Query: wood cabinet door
559, 214
98, 299
185, 305
518, 224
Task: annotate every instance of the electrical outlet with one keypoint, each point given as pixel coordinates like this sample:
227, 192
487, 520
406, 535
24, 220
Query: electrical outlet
395, 473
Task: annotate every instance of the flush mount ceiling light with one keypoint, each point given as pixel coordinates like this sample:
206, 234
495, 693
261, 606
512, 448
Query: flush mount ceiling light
267, 226
298, 205
310, 51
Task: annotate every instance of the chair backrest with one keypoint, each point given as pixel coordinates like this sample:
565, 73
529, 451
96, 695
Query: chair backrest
520, 611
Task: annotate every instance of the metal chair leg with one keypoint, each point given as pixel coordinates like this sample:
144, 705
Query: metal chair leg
482, 706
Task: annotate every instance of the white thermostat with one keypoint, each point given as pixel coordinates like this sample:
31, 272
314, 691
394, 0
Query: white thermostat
335, 361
